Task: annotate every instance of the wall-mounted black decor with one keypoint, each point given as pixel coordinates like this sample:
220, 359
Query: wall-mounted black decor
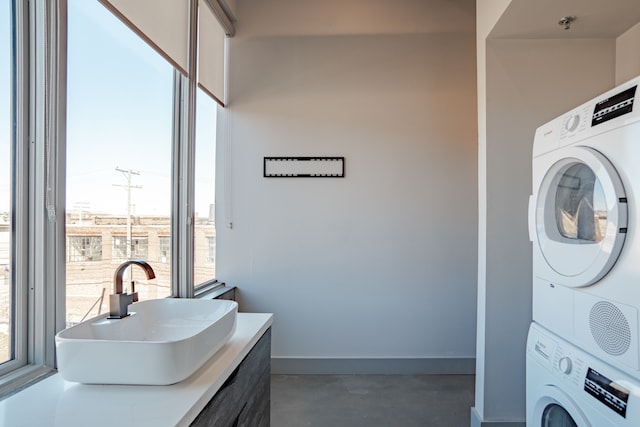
304, 167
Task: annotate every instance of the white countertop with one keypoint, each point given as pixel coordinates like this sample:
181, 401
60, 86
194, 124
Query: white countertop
55, 402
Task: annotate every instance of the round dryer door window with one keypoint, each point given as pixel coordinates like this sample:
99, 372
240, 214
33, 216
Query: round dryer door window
581, 217
556, 416
553, 407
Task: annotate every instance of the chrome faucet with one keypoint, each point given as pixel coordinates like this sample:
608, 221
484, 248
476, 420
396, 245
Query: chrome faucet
119, 302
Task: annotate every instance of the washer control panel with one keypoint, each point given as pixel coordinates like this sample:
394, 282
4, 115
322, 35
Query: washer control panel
578, 372
607, 391
565, 364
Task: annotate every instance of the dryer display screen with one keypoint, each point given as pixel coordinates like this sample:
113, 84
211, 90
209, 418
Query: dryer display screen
606, 391
614, 106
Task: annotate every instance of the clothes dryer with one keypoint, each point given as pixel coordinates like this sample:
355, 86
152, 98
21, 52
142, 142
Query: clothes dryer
583, 217
567, 387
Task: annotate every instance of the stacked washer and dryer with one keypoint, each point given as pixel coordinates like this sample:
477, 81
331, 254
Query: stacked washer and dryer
583, 349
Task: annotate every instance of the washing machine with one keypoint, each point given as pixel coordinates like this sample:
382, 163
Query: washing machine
567, 387
583, 217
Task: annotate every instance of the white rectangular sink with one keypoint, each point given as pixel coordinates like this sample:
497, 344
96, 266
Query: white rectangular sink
162, 342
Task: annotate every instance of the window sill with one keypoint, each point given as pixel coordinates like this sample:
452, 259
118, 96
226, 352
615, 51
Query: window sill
215, 289
22, 378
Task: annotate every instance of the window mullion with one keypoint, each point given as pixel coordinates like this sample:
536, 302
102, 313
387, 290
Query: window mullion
20, 151
183, 185
46, 189
183, 166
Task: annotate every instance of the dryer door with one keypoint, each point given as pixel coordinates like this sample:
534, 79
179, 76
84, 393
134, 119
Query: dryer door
580, 217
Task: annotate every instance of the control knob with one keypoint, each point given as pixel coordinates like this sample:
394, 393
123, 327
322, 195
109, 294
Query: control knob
565, 365
572, 122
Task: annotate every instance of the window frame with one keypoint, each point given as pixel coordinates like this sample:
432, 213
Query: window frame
38, 160
19, 16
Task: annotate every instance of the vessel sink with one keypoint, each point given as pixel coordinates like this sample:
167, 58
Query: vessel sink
161, 342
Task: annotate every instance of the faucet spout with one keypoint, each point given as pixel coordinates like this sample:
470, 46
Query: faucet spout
117, 277
119, 302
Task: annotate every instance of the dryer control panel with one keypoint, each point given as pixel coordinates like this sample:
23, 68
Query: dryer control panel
589, 119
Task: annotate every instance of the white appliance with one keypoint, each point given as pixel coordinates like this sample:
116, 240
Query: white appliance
567, 387
583, 217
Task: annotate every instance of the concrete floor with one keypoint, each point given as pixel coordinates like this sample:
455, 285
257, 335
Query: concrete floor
371, 400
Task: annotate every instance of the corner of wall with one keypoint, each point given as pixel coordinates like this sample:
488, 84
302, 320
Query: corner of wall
628, 55
476, 421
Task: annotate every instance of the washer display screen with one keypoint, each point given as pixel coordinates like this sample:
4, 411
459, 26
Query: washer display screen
606, 391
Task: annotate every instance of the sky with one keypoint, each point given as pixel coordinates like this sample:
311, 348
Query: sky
119, 115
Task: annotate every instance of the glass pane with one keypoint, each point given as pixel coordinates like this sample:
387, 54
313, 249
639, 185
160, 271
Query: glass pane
581, 211
556, 416
205, 190
120, 112
6, 287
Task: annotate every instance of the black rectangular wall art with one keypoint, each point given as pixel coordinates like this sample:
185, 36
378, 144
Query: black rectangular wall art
304, 167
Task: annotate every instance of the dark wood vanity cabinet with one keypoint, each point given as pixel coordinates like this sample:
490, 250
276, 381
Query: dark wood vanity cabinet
244, 398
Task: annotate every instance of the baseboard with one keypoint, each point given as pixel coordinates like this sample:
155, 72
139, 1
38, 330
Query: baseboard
385, 366
476, 421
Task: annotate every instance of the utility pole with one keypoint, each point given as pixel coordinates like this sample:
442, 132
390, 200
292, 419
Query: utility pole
128, 173
81, 207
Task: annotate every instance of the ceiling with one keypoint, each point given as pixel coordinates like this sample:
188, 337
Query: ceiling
538, 19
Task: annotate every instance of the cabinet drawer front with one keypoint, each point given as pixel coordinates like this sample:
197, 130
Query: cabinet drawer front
243, 392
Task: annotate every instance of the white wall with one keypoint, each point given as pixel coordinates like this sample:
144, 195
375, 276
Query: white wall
487, 14
628, 55
382, 263
524, 93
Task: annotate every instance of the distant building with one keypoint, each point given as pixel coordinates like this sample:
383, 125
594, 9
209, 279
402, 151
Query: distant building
97, 244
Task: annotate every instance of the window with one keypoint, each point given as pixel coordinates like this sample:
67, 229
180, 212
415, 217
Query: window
6, 285
120, 251
138, 249
164, 245
85, 103
119, 147
84, 248
205, 191
211, 250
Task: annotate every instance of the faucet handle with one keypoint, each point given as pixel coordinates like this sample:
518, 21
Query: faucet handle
133, 291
